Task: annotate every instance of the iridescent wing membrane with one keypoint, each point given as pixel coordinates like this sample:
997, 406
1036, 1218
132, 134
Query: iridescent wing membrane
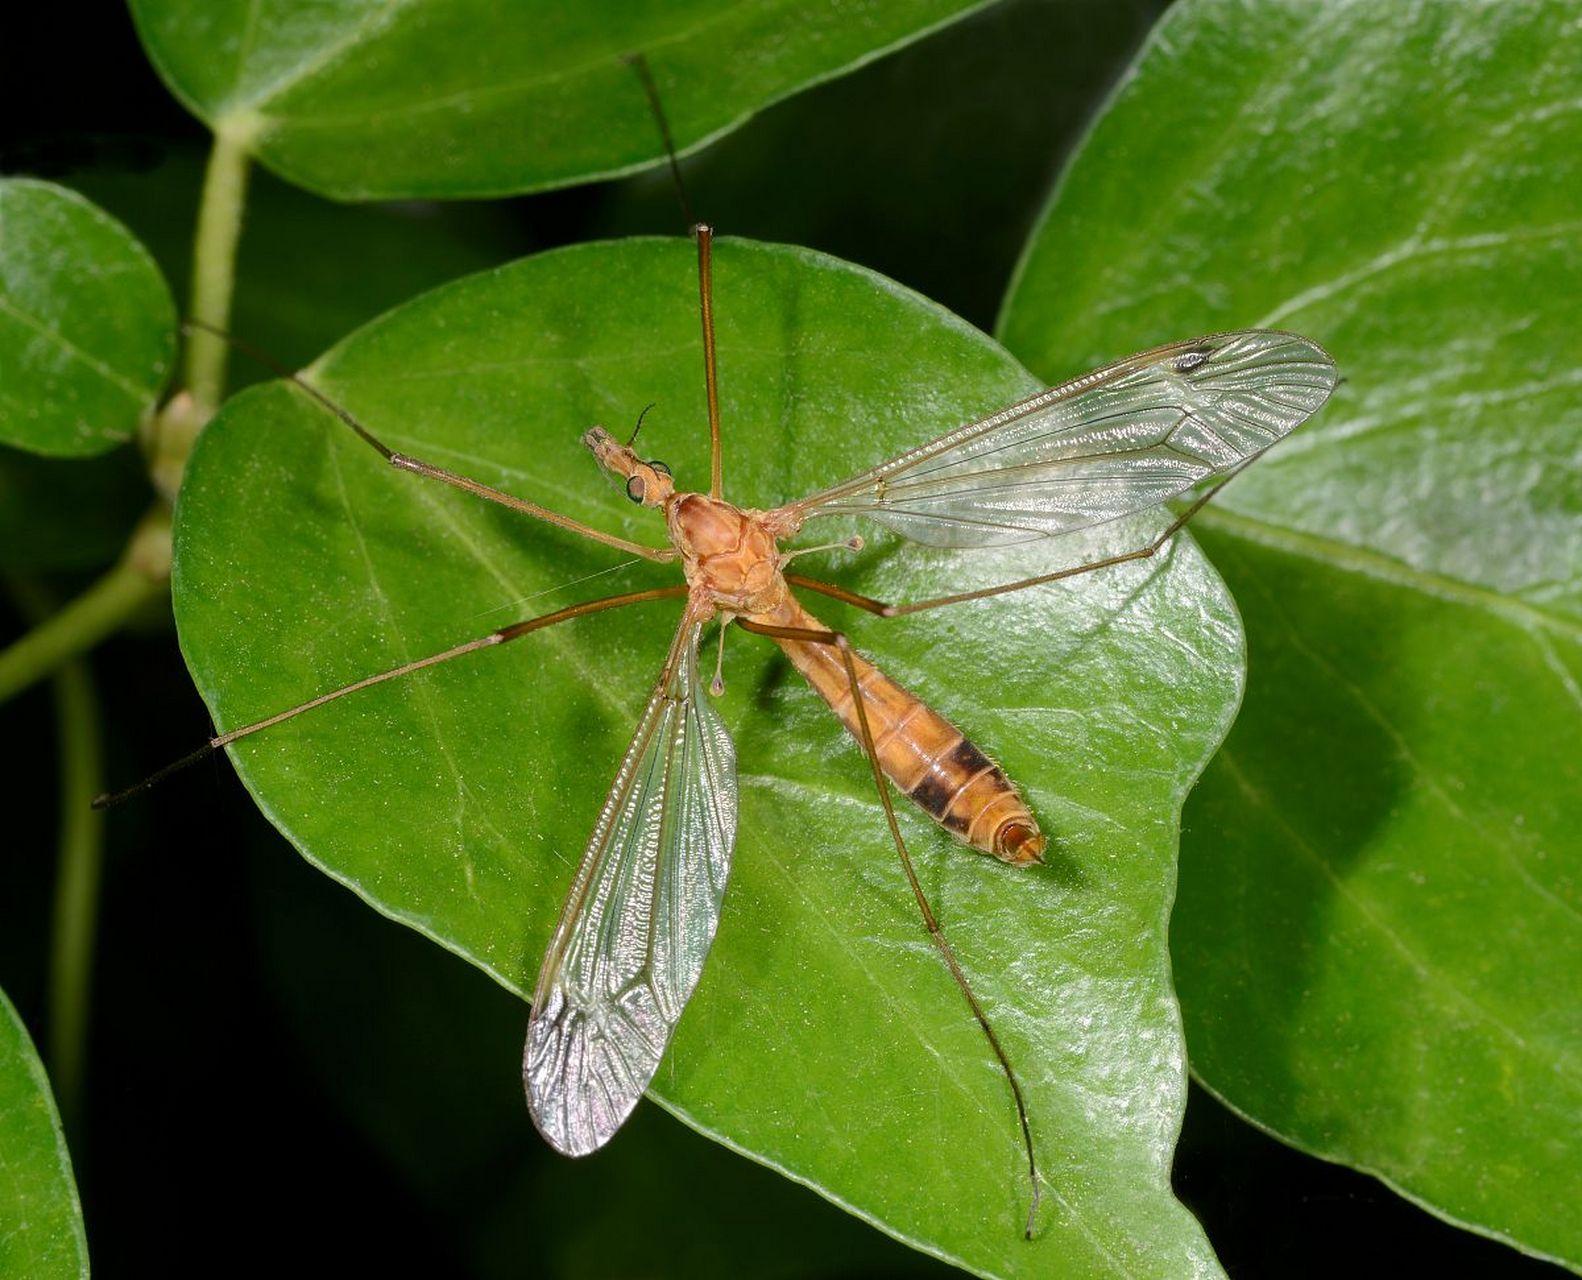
1116, 441
637, 925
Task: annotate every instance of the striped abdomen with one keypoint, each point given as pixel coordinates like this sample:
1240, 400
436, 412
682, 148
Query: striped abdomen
925, 755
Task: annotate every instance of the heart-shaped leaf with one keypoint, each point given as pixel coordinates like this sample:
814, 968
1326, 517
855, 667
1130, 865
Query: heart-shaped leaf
87, 327
826, 1038
41, 1233
469, 97
1380, 897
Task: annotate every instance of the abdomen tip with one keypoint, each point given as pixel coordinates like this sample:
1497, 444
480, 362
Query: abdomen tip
1019, 844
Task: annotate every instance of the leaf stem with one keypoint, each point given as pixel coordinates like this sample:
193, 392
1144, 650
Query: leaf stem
79, 863
138, 578
214, 261
76, 881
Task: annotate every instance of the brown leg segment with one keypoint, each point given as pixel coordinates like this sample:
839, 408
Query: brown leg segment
404, 462
884, 610
935, 932
639, 64
704, 234
503, 634
705, 237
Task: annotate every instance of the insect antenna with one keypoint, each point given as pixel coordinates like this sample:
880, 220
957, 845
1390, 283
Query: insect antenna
632, 439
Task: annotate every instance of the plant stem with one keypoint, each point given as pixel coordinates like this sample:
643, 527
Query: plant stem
76, 881
80, 859
79, 626
214, 262
145, 568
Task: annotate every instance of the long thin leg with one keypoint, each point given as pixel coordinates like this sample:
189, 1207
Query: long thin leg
405, 462
503, 634
918, 606
639, 64
839, 641
705, 238
705, 235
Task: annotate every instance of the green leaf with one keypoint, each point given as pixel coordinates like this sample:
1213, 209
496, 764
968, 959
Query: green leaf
449, 1121
41, 1233
473, 98
87, 327
307, 271
1380, 890
346, 264
948, 212
826, 1038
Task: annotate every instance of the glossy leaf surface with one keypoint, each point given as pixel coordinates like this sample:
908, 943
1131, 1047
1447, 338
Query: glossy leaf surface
41, 1233
469, 98
87, 326
826, 1038
1377, 934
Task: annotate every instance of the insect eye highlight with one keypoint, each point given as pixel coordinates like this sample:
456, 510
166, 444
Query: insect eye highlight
655, 465
636, 488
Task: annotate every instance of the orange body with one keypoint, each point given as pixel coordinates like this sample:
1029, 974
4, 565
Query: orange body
925, 755
734, 565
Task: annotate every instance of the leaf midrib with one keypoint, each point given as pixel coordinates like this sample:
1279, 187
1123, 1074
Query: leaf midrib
86, 359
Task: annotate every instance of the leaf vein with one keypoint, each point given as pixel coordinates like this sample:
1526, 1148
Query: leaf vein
140, 394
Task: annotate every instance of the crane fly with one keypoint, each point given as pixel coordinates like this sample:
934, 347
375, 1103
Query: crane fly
628, 949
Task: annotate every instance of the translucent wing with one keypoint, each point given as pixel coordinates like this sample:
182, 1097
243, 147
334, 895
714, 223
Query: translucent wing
1121, 439
629, 947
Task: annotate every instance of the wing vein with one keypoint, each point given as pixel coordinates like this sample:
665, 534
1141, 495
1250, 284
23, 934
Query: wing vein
1110, 444
641, 915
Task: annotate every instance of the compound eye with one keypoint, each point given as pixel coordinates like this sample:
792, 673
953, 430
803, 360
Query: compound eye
656, 465
636, 489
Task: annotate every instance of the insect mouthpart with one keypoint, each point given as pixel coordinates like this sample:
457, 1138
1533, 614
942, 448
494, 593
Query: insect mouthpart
599, 441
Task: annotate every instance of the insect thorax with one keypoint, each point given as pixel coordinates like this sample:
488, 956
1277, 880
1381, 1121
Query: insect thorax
726, 552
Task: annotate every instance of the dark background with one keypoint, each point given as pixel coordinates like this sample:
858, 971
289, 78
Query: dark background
280, 1078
